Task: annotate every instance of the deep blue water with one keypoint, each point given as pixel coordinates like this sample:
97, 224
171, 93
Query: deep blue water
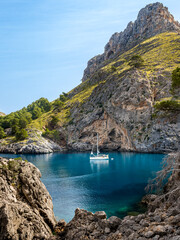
115, 186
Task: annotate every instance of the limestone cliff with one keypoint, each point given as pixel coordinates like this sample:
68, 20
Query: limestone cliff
117, 99
151, 20
26, 209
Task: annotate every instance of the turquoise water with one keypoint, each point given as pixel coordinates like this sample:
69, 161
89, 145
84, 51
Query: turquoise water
115, 186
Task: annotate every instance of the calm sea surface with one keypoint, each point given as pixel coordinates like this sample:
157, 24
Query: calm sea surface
114, 186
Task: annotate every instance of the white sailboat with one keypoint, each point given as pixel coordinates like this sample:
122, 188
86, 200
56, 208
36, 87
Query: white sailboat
98, 156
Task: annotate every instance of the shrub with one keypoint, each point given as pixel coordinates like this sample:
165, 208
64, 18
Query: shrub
54, 121
58, 104
136, 61
176, 78
168, 105
36, 112
2, 133
18, 158
53, 135
113, 68
21, 134
23, 122
63, 97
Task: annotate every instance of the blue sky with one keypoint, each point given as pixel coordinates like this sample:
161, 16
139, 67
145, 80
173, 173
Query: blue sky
45, 44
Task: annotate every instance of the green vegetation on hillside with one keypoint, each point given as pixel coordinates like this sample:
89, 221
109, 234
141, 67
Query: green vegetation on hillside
19, 120
136, 61
168, 105
172, 103
176, 78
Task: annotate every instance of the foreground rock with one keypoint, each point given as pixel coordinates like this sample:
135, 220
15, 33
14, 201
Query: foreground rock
26, 209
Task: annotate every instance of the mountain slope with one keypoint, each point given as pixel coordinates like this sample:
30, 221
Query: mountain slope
117, 101
151, 20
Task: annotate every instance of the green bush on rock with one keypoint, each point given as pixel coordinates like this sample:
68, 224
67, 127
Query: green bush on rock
175, 79
21, 134
136, 61
168, 105
2, 133
52, 135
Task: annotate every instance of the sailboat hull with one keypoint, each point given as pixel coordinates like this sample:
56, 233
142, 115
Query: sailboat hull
104, 157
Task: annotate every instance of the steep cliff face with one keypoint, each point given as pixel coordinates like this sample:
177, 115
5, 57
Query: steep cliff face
26, 210
151, 20
124, 115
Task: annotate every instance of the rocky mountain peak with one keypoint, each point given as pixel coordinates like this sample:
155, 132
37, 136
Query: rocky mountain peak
151, 20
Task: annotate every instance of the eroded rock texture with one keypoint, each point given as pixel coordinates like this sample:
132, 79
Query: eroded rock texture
26, 209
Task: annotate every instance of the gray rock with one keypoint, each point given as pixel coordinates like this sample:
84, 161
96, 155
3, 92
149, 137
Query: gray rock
144, 223
100, 214
149, 234
26, 210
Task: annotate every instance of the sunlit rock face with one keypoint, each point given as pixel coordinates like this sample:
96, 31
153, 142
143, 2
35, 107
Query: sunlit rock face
151, 20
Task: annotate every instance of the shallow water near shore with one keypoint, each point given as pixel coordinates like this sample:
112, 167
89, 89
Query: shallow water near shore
115, 186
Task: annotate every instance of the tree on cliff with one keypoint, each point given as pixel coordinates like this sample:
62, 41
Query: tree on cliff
21, 134
2, 133
170, 167
175, 79
136, 61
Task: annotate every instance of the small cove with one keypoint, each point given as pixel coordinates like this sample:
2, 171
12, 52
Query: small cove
115, 186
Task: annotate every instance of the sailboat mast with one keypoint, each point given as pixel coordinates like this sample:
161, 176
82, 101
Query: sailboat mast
97, 144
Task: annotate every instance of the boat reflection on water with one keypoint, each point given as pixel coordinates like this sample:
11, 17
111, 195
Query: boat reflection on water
98, 165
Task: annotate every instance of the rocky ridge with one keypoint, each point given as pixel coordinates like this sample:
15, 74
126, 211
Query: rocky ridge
151, 20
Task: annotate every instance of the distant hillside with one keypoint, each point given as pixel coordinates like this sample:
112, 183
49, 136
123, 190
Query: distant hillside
118, 100
2, 114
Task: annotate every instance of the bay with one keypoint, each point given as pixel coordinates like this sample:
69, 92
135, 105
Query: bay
115, 186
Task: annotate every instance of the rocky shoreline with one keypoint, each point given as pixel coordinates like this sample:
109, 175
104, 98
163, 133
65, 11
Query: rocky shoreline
26, 211
44, 146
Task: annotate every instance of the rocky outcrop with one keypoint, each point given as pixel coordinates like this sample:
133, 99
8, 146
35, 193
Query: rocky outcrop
26, 209
34, 144
151, 20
